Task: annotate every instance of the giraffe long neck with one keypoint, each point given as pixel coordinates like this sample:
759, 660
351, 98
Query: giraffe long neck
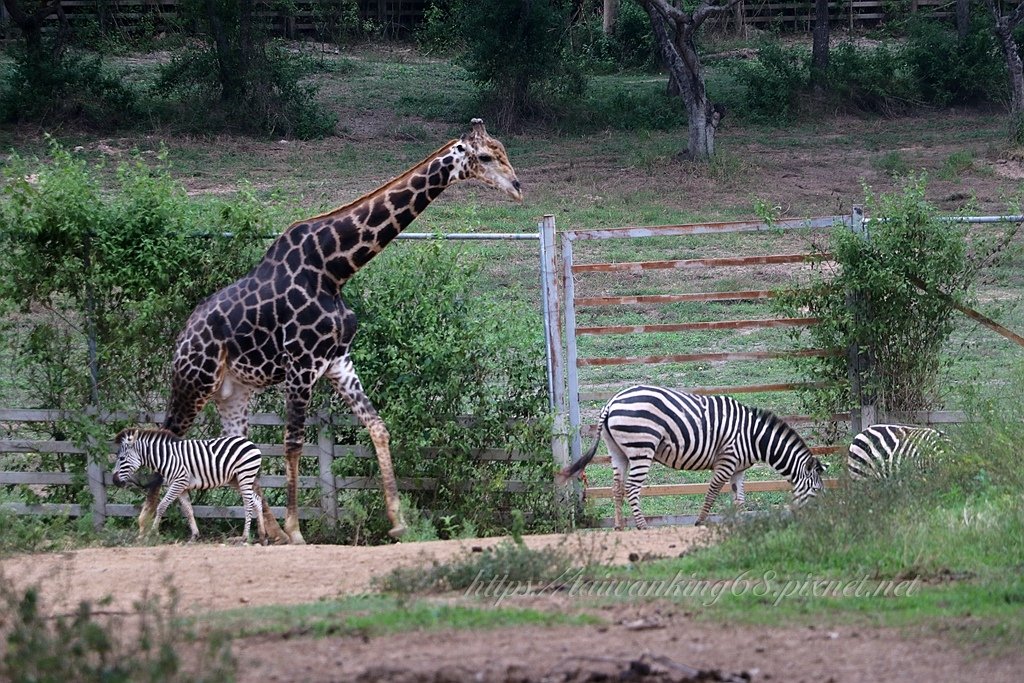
347, 238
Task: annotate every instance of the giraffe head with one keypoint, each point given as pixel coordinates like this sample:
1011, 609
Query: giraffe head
487, 161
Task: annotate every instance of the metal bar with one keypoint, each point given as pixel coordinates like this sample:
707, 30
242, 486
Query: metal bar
751, 294
571, 353
689, 264
718, 391
700, 325
968, 311
695, 357
824, 222
702, 488
469, 236
553, 340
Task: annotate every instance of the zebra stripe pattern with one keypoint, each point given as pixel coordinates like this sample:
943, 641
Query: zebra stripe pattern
187, 464
693, 432
879, 450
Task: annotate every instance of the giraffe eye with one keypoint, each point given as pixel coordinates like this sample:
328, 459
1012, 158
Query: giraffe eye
486, 158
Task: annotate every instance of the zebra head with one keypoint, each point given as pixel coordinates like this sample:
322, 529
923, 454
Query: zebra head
128, 459
807, 480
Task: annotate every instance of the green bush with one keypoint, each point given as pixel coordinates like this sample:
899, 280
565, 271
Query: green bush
274, 100
948, 72
50, 86
900, 328
88, 646
772, 84
877, 80
516, 52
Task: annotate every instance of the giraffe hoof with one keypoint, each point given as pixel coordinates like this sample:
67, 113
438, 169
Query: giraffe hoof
398, 530
297, 539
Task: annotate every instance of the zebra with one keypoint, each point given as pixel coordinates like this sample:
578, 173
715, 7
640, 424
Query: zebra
695, 432
186, 464
879, 450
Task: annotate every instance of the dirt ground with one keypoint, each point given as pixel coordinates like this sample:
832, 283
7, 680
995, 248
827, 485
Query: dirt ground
643, 641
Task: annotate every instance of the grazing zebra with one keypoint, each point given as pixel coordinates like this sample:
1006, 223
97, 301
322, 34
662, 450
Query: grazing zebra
185, 464
694, 432
879, 450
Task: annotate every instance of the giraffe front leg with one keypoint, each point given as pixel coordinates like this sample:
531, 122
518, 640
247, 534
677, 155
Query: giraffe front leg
186, 508
738, 496
618, 493
722, 474
345, 381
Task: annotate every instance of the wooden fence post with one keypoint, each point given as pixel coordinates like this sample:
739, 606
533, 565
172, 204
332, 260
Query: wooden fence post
325, 456
97, 488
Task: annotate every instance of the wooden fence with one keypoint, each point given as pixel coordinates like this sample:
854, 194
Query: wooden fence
324, 450
314, 18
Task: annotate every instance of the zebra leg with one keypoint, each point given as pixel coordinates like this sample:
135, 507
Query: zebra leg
722, 475
232, 401
186, 508
345, 381
637, 475
174, 491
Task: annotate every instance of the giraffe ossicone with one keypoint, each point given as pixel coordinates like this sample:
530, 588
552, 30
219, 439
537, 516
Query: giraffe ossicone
285, 321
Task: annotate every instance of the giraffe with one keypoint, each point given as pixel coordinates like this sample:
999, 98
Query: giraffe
285, 321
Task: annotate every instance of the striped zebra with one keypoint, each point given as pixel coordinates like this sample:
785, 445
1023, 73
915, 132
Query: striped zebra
186, 464
694, 432
879, 450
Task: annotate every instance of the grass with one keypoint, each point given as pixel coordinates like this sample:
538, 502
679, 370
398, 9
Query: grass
374, 615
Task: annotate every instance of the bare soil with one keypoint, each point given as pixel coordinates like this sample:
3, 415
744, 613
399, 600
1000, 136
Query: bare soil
643, 642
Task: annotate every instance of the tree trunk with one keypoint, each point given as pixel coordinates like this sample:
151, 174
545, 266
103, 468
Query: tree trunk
30, 23
611, 15
820, 48
1004, 27
963, 19
674, 33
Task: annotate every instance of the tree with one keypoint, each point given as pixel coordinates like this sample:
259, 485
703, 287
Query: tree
1004, 27
30, 20
819, 48
675, 30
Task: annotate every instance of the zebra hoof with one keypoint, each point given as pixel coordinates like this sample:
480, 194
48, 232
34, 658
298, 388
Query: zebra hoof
700, 522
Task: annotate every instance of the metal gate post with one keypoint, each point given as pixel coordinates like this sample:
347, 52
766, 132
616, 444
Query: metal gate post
571, 355
553, 338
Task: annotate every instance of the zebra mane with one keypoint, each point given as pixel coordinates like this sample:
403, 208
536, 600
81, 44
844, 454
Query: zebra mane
155, 432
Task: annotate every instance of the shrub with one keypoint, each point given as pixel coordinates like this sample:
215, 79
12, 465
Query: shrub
949, 72
901, 328
53, 86
516, 53
88, 646
876, 80
772, 83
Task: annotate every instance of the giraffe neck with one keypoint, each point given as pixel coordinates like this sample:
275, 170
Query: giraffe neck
347, 238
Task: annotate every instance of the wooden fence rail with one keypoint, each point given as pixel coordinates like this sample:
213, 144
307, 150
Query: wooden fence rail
98, 477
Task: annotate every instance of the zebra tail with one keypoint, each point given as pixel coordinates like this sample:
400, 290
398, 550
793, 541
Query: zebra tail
575, 468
